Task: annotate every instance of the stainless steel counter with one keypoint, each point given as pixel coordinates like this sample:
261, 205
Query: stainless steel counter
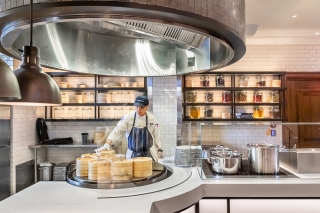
39, 146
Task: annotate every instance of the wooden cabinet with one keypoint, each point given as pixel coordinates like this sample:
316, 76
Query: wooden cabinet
303, 97
234, 96
94, 97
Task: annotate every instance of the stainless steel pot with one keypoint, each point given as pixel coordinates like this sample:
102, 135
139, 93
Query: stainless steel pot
263, 158
225, 164
239, 156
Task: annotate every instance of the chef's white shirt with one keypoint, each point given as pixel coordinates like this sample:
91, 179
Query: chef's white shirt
125, 124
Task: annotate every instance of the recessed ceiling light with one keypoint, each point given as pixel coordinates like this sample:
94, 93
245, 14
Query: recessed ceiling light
294, 16
317, 33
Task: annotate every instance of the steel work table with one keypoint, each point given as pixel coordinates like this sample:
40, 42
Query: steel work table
35, 153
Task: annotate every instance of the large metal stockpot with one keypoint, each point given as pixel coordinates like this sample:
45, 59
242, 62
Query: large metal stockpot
263, 158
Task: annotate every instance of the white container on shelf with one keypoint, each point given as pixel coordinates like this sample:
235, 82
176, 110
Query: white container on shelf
101, 98
75, 98
108, 98
88, 97
64, 97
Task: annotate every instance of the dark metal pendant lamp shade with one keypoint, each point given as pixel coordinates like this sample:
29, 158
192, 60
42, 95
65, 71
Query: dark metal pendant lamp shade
37, 88
9, 87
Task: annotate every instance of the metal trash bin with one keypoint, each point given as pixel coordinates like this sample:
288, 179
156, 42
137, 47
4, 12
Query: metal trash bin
45, 171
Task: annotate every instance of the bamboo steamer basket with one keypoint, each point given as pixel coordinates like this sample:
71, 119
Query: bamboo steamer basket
121, 170
90, 155
82, 166
142, 167
107, 153
99, 169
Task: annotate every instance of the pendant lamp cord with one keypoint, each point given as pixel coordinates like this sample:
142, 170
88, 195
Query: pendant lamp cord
31, 21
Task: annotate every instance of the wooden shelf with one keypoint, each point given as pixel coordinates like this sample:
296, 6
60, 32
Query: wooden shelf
232, 119
80, 120
235, 107
234, 104
235, 88
97, 104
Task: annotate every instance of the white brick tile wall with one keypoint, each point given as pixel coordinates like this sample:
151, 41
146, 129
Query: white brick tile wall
23, 120
165, 109
278, 58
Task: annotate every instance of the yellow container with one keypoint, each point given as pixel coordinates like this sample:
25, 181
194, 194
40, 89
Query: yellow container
195, 112
258, 112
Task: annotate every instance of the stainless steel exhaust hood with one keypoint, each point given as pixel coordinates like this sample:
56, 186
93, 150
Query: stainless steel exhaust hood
129, 38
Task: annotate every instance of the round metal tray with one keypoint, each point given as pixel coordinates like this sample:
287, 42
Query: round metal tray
160, 172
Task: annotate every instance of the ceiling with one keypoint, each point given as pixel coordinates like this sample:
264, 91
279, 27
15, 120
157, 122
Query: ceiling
277, 24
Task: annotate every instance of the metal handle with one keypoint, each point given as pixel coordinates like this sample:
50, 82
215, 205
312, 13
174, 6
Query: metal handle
2, 147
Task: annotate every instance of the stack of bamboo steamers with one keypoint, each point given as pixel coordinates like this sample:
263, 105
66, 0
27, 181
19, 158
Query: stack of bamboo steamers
110, 166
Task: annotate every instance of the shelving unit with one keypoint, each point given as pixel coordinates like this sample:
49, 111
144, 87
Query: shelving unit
231, 81
93, 81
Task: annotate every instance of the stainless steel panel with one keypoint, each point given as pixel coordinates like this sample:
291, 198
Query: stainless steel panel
300, 161
120, 47
4, 172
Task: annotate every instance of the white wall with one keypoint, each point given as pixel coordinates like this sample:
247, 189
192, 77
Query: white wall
289, 58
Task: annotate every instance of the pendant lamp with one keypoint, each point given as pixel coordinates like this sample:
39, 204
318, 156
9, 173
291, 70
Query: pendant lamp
37, 87
9, 87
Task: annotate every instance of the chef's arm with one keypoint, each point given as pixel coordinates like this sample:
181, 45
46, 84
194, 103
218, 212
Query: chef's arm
156, 134
121, 127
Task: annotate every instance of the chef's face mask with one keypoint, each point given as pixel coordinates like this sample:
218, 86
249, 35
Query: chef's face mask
141, 111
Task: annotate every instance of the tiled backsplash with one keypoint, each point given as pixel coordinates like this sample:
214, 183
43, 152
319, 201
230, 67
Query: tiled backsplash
236, 135
165, 109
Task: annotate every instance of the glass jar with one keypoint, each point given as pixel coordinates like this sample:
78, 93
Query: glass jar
103, 112
274, 97
206, 81
64, 97
131, 95
208, 96
125, 98
258, 112
226, 97
110, 113
88, 97
260, 81
189, 97
90, 111
242, 97
195, 112
257, 97
108, 97
57, 113
274, 112
114, 97
208, 112
220, 81
202, 81
71, 113
78, 113
244, 81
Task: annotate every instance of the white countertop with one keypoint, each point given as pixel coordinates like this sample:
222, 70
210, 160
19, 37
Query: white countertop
61, 197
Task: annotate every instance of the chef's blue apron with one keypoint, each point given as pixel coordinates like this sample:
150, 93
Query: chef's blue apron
140, 140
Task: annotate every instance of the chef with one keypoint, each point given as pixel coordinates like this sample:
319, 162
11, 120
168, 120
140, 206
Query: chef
142, 132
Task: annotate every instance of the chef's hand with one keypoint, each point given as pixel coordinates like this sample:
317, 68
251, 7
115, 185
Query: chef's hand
106, 146
160, 153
